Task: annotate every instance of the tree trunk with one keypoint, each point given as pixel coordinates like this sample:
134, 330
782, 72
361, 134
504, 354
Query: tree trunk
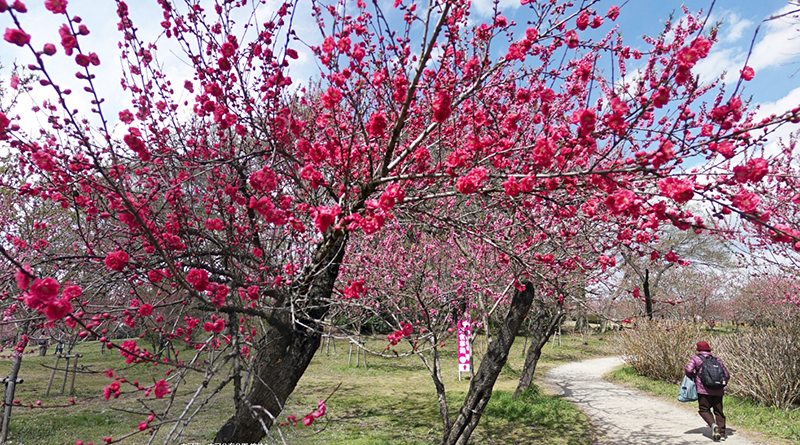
286, 349
480, 388
648, 300
544, 326
11, 386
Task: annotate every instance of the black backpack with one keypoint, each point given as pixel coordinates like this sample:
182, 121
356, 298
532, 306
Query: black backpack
712, 375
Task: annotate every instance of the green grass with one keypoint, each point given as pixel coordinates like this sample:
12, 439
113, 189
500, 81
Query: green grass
391, 401
777, 426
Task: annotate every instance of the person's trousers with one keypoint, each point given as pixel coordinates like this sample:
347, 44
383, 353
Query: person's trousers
712, 403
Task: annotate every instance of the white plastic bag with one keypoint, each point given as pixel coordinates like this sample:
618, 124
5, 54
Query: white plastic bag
688, 392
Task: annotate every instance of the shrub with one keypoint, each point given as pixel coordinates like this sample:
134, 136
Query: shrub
660, 349
765, 364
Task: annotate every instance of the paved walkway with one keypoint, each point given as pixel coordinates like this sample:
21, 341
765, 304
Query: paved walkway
626, 416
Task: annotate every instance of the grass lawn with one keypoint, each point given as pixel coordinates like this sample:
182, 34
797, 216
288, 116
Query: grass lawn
388, 401
774, 425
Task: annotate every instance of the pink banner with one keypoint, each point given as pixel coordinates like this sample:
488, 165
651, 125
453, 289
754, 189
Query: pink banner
464, 352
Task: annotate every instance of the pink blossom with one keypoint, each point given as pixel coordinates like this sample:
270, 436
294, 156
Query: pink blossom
44, 291
155, 276
354, 290
663, 155
571, 37
58, 309
377, 124
44, 161
145, 310
681, 190
511, 187
726, 149
613, 12
371, 223
23, 278
17, 37
214, 224
661, 97
621, 201
116, 260
441, 106
71, 292
161, 389
129, 350
331, 97
583, 20
252, 292
472, 181
68, 40
198, 278
754, 171
325, 216
56, 6
747, 73
746, 201
392, 195
263, 180
126, 116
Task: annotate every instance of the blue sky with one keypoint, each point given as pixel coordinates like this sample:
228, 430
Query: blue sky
776, 56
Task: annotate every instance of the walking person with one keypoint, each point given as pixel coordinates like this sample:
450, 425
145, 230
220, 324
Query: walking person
710, 377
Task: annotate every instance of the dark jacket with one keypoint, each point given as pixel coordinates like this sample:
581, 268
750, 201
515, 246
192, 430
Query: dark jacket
692, 371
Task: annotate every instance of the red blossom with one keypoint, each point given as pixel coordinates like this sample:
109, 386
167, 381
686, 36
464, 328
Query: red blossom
747, 73
198, 278
325, 216
161, 389
681, 190
116, 260
746, 201
58, 309
377, 124
613, 12
56, 6
661, 97
441, 106
23, 277
583, 20
472, 181
68, 40
17, 37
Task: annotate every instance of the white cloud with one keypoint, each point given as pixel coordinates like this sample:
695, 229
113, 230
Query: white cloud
778, 43
780, 106
734, 27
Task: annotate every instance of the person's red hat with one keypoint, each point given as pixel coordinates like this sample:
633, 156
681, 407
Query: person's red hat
703, 346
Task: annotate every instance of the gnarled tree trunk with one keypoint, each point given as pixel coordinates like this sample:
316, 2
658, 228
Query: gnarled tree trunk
286, 349
480, 388
545, 322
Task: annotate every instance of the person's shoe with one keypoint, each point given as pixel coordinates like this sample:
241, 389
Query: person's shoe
715, 433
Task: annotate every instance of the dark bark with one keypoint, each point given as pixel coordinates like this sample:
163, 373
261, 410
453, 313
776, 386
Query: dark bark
286, 349
544, 325
480, 388
648, 300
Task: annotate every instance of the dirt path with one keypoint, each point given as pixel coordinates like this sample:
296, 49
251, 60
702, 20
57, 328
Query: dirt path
626, 416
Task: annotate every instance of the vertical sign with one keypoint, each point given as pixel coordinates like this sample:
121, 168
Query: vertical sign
464, 352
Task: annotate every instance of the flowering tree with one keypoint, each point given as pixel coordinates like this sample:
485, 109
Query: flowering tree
217, 209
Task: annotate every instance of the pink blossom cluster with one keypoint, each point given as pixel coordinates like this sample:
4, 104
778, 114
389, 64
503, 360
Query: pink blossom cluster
395, 337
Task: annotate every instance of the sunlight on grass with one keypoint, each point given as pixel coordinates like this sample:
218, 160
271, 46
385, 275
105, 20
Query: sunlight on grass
391, 401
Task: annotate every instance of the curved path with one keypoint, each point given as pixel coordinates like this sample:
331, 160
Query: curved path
626, 416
